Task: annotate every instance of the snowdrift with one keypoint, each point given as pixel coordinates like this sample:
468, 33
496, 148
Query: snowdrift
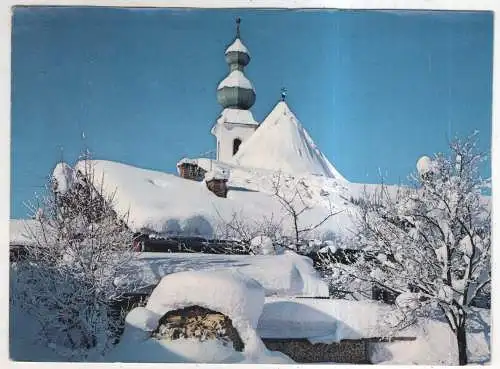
24, 231
324, 321
281, 275
227, 291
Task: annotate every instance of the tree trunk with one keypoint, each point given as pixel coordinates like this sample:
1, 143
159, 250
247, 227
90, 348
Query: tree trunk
296, 225
462, 344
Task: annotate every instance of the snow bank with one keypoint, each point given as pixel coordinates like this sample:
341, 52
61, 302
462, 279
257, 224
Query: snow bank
281, 143
282, 275
436, 344
321, 320
236, 79
24, 343
226, 291
24, 231
237, 46
262, 245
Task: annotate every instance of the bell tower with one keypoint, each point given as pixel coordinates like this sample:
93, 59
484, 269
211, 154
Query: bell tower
236, 95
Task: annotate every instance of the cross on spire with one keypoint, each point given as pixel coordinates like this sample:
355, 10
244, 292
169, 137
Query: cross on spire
238, 21
283, 93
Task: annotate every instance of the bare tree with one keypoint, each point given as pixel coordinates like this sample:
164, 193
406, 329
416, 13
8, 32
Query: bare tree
243, 230
71, 276
292, 198
430, 244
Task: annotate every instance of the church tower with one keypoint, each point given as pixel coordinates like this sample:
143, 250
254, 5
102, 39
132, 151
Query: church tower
236, 95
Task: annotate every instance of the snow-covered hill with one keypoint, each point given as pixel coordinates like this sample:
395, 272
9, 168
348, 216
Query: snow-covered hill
282, 143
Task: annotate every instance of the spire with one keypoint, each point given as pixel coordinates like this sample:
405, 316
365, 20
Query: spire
236, 91
238, 21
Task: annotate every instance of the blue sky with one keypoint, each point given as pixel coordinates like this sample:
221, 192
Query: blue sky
376, 90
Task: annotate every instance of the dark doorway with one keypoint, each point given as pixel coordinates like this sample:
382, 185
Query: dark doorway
236, 145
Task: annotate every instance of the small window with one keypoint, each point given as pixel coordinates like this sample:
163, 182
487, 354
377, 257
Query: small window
236, 145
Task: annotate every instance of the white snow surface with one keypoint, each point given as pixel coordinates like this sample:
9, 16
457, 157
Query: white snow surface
226, 291
64, 176
435, 343
237, 46
282, 143
424, 165
241, 116
24, 343
322, 320
162, 203
217, 172
262, 245
280, 275
327, 321
236, 79
23, 231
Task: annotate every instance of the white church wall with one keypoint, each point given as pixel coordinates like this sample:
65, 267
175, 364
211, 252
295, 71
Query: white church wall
226, 134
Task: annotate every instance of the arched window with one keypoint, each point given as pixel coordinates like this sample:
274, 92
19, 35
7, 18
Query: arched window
236, 145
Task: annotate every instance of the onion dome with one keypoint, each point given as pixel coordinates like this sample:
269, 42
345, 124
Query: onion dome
236, 91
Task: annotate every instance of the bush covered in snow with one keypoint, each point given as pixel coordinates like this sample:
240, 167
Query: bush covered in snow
67, 281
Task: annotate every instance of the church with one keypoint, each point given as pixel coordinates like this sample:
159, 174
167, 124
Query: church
278, 143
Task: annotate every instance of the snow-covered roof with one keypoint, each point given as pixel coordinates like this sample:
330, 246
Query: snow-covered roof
240, 116
237, 46
187, 161
282, 143
163, 203
217, 172
236, 79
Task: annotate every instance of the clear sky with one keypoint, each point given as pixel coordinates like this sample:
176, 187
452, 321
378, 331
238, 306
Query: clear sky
375, 90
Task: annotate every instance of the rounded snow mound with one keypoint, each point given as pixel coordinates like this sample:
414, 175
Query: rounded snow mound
424, 165
262, 245
63, 174
227, 291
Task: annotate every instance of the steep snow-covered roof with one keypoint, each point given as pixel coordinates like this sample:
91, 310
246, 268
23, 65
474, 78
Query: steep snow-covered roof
281, 143
237, 46
236, 79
